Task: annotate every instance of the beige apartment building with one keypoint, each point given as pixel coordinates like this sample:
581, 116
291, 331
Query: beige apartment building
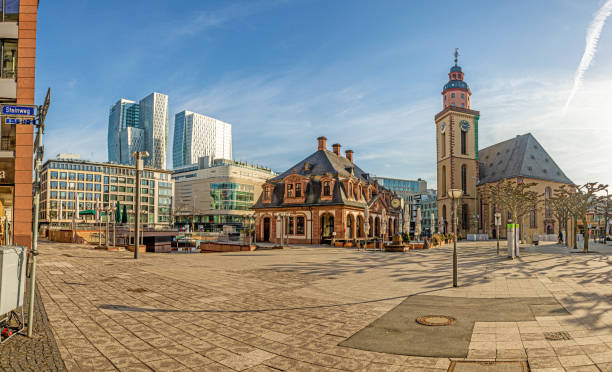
211, 194
67, 180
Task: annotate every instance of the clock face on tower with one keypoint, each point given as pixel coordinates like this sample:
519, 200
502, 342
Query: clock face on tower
442, 127
396, 203
465, 125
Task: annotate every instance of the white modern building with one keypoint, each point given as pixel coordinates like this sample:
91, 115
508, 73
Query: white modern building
197, 136
139, 126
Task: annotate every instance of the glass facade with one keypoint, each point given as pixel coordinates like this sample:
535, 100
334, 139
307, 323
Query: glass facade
231, 196
9, 10
100, 185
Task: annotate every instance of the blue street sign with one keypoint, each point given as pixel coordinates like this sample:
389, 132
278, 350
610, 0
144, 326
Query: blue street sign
17, 110
19, 121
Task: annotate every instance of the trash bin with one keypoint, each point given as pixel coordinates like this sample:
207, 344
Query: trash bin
12, 277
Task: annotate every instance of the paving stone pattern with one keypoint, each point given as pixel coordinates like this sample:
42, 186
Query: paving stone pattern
290, 309
39, 353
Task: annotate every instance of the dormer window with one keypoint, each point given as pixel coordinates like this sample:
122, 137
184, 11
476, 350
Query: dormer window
290, 190
326, 188
298, 190
266, 193
350, 189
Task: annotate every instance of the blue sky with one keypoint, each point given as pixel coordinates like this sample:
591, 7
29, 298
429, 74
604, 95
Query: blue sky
366, 74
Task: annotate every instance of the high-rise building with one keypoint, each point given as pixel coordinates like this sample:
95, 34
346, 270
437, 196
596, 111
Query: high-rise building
197, 135
138, 127
123, 115
154, 121
17, 82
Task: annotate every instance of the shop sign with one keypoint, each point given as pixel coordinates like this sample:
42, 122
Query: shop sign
7, 171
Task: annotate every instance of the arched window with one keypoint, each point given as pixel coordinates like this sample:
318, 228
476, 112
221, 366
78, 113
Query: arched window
443, 181
463, 143
548, 195
464, 178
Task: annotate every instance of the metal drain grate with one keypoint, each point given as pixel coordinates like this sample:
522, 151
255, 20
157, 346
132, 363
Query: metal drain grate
557, 336
488, 366
435, 320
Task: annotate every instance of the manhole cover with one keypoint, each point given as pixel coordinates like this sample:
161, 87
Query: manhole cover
435, 320
486, 366
557, 336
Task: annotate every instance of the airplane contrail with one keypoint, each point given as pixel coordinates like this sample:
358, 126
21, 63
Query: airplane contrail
592, 38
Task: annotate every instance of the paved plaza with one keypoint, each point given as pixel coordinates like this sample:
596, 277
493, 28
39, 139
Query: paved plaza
293, 309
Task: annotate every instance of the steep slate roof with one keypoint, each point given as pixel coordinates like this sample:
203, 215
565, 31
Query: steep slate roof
522, 156
320, 163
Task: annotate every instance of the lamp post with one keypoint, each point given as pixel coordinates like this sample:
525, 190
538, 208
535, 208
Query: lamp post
114, 226
455, 195
107, 212
139, 156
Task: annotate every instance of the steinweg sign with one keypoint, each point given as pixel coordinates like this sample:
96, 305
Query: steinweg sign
14, 110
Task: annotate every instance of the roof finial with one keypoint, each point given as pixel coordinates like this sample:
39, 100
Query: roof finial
456, 55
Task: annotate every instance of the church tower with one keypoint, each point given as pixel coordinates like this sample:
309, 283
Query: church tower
457, 153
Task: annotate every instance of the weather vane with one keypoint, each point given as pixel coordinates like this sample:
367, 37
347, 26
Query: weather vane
456, 55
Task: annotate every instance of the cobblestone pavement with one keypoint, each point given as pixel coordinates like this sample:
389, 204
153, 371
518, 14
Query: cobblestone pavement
289, 309
39, 353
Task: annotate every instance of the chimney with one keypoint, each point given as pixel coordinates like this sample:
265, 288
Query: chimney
336, 147
322, 143
349, 155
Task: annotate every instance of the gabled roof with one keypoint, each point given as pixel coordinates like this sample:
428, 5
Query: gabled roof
522, 156
324, 162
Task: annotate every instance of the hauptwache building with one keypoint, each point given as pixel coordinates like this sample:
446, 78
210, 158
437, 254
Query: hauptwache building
461, 165
325, 196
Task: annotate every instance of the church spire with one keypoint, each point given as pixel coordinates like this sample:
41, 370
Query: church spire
456, 55
456, 92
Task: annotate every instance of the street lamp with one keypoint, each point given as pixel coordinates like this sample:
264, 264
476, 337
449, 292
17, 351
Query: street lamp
139, 156
455, 195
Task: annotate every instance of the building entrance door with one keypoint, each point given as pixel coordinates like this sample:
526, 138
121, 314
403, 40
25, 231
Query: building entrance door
327, 228
266, 232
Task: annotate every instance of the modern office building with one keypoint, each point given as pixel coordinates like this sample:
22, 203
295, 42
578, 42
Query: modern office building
17, 81
196, 136
401, 187
212, 194
67, 180
141, 126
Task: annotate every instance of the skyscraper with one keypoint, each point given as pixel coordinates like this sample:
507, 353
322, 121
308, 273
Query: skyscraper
137, 127
197, 135
123, 115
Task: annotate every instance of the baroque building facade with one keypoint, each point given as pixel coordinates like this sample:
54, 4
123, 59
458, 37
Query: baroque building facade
322, 198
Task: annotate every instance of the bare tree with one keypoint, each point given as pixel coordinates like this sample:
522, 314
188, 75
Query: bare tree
582, 200
515, 197
561, 209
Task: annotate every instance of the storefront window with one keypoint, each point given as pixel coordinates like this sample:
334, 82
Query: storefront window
6, 214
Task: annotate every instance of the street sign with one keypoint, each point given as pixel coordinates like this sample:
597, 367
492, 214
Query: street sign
21, 110
497, 219
19, 121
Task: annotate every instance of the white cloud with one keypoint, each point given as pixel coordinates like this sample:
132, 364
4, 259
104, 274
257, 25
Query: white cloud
592, 39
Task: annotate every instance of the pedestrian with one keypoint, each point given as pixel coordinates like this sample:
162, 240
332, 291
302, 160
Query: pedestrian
560, 237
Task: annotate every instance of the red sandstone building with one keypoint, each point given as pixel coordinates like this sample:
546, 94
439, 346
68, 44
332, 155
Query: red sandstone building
18, 37
322, 197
